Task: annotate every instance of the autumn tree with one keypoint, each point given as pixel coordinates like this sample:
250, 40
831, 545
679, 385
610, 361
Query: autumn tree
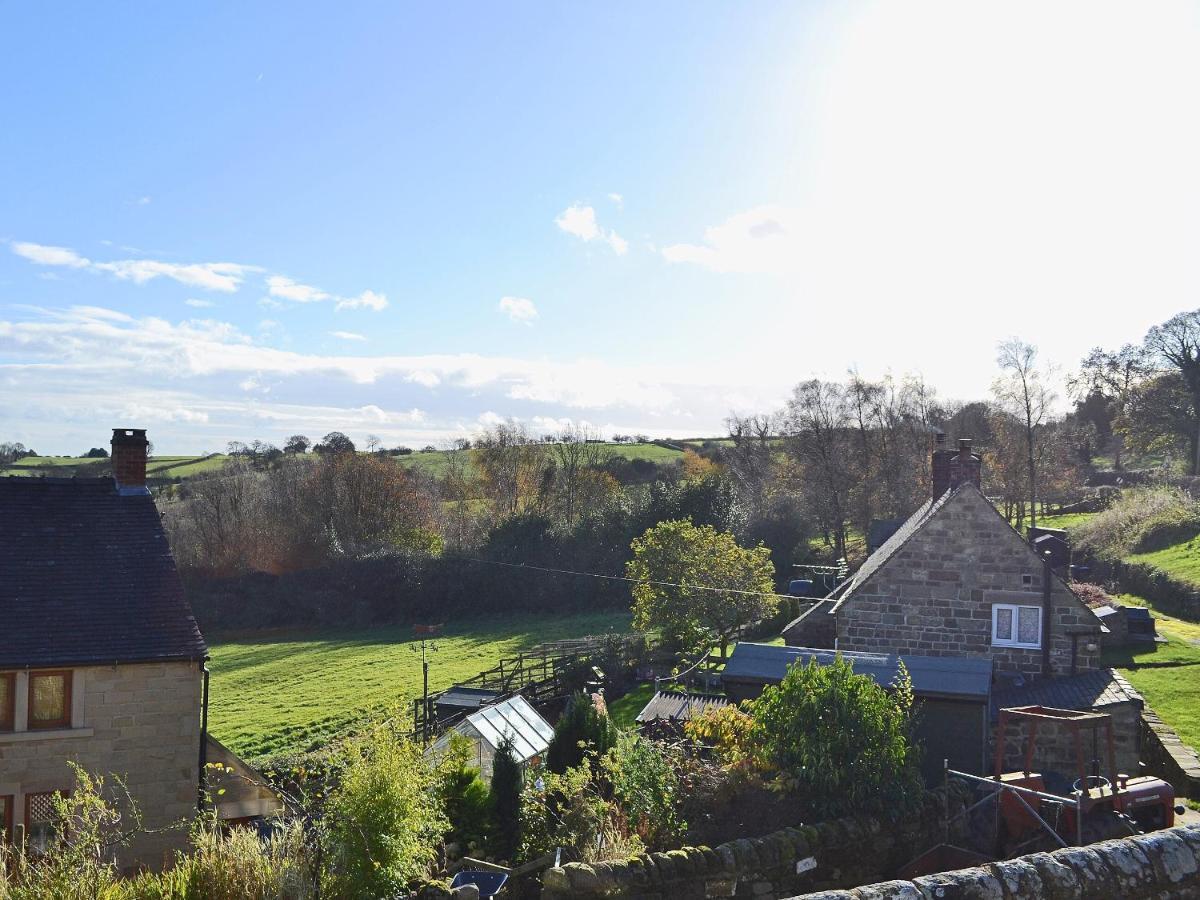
511, 468
697, 584
1109, 377
816, 423
577, 456
297, 444
1175, 344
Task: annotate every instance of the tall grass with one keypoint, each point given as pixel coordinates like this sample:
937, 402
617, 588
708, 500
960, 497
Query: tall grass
1142, 520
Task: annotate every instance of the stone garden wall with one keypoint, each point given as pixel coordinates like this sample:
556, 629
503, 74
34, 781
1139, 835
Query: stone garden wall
1164, 865
1167, 756
841, 853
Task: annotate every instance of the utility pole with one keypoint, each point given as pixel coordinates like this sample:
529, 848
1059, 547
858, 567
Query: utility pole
426, 634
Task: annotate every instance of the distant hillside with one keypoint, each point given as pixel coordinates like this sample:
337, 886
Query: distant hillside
432, 462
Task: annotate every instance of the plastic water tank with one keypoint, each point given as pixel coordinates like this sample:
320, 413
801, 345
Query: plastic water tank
800, 587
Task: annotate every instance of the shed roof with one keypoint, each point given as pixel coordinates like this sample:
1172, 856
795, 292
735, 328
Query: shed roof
1091, 690
678, 706
515, 719
965, 677
87, 576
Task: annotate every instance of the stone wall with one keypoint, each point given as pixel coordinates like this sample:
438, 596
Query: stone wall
1055, 750
828, 855
935, 596
1163, 865
1167, 756
141, 722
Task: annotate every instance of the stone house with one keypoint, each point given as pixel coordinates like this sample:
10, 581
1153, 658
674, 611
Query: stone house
101, 661
957, 580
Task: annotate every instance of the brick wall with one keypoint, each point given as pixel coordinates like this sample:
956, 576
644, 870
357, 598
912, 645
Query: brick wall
141, 722
935, 596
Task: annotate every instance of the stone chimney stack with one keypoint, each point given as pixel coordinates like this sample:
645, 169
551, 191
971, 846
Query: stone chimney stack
129, 457
954, 467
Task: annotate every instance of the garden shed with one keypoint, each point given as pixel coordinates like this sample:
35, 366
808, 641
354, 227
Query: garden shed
514, 719
952, 694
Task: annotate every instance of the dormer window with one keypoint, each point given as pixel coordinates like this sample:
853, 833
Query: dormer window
49, 700
1016, 626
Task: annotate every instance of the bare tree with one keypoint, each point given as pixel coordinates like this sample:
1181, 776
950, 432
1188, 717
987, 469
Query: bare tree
577, 456
750, 460
1023, 391
511, 467
1111, 375
817, 420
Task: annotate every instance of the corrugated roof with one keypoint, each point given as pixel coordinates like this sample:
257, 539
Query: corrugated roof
951, 676
87, 576
1091, 690
678, 706
519, 722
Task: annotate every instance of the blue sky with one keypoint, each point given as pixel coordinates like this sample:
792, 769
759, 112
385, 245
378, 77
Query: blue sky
242, 221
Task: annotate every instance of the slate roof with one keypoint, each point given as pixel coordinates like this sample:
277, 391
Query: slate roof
966, 677
87, 577
678, 706
1091, 690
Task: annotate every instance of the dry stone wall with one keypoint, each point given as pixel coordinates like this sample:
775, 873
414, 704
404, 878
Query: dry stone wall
1167, 756
1164, 865
829, 855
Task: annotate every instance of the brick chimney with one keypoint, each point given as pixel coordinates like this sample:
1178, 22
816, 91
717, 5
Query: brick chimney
954, 467
129, 457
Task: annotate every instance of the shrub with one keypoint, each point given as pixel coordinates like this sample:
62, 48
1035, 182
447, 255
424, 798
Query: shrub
384, 818
507, 781
838, 739
645, 783
465, 797
571, 811
1092, 594
581, 728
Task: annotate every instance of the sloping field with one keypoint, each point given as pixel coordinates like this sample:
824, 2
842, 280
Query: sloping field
281, 692
434, 462
156, 467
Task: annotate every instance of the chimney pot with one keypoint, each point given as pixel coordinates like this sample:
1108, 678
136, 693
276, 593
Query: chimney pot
129, 457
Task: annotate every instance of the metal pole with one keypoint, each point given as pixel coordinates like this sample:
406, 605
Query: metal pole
424, 694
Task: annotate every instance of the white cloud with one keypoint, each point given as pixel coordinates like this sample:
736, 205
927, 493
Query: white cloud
617, 200
282, 286
45, 255
424, 378
763, 239
580, 221
226, 277
366, 300
348, 335
519, 309
198, 304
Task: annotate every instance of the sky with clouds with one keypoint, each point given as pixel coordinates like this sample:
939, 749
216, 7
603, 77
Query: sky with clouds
222, 222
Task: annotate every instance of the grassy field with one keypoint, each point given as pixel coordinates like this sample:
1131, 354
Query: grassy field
156, 467
1180, 561
280, 692
1167, 675
434, 462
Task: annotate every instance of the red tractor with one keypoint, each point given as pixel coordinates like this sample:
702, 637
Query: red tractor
1093, 807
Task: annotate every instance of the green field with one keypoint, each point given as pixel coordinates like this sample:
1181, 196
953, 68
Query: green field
156, 467
282, 692
1180, 561
1167, 675
434, 462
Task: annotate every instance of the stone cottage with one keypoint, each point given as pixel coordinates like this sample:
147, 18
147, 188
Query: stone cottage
101, 661
957, 580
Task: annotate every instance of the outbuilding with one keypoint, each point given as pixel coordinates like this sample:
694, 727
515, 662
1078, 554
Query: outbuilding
513, 719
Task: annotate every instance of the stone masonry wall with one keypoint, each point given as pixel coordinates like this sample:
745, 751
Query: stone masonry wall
1163, 865
935, 596
828, 855
1055, 750
1167, 756
141, 722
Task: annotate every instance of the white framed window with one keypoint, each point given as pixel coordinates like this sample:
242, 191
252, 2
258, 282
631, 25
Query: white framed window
1016, 626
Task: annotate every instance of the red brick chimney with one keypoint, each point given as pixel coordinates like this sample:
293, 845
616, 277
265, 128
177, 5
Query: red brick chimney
129, 457
954, 467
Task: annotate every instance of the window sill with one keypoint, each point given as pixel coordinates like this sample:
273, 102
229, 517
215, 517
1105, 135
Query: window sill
1003, 645
49, 734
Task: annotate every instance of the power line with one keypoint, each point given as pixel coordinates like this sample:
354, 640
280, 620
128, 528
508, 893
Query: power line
687, 587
